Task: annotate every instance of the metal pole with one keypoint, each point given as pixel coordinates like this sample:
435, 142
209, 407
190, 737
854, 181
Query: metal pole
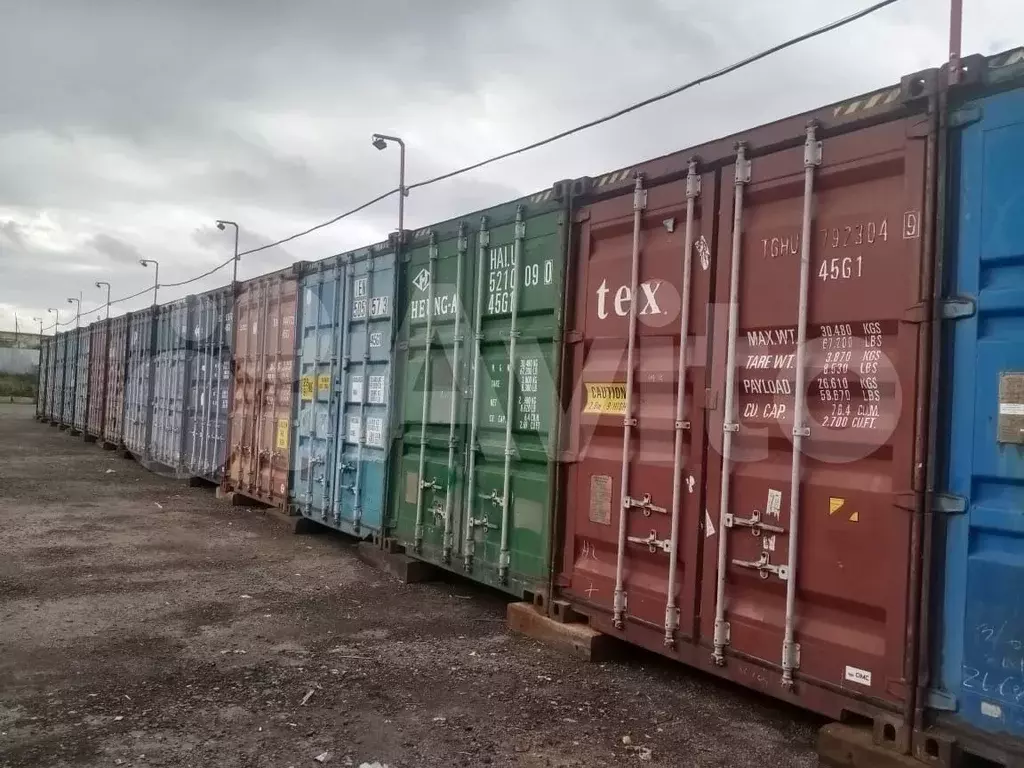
234, 265
956, 22
729, 423
156, 281
791, 649
619, 602
681, 426
401, 187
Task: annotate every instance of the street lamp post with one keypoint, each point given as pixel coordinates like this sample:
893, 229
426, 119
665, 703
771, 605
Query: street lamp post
380, 141
221, 224
78, 309
56, 321
156, 275
100, 284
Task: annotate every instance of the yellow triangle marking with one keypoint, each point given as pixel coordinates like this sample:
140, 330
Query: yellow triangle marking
834, 504
855, 517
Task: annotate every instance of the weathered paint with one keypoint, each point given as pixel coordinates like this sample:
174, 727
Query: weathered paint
465, 481
853, 563
83, 341
209, 385
98, 337
138, 397
261, 411
979, 640
342, 421
172, 358
117, 372
55, 403
45, 375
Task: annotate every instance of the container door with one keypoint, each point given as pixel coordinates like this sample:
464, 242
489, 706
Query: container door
635, 469
982, 654
508, 505
428, 513
816, 438
319, 364
363, 428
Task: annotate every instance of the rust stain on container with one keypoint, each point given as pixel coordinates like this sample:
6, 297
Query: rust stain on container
852, 570
262, 391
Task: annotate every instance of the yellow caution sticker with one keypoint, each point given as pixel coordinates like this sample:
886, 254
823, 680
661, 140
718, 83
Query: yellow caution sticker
606, 398
855, 517
282, 435
323, 383
835, 504
306, 387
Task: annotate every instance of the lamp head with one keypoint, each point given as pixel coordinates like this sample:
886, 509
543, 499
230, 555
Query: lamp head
220, 225
143, 262
379, 142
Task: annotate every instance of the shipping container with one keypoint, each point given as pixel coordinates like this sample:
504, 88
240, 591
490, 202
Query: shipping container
72, 339
172, 359
479, 347
138, 399
42, 389
209, 385
977, 645
262, 390
794, 260
342, 424
81, 398
55, 408
117, 372
97, 378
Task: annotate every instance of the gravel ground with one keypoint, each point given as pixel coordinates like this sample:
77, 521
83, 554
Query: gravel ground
143, 623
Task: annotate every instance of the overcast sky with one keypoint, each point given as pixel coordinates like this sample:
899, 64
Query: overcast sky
127, 127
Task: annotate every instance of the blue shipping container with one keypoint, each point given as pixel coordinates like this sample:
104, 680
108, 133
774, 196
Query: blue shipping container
209, 386
171, 362
138, 398
342, 412
981, 657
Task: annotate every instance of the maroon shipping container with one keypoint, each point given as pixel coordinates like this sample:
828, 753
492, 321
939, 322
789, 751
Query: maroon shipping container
259, 432
97, 379
681, 514
116, 371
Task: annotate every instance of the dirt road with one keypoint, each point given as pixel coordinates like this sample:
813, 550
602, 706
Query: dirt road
147, 624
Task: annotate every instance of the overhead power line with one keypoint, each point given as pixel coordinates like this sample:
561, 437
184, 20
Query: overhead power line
830, 27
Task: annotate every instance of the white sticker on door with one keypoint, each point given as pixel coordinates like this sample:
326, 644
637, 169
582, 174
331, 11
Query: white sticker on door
774, 506
709, 527
859, 676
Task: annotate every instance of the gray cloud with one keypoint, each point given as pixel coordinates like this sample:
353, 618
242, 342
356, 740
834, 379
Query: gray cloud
137, 123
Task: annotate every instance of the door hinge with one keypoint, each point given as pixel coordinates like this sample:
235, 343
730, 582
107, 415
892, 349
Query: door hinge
942, 503
952, 308
940, 700
709, 401
573, 337
966, 115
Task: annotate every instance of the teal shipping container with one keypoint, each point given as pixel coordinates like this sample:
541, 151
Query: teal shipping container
341, 420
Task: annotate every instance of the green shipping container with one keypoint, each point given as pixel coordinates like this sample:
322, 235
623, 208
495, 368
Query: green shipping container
473, 463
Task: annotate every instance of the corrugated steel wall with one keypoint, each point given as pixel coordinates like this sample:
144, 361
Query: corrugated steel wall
209, 385
342, 423
171, 362
42, 391
117, 358
139, 382
98, 334
260, 429
55, 405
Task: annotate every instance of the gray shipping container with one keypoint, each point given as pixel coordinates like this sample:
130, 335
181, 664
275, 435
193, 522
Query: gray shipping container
139, 382
67, 411
209, 384
42, 390
171, 362
81, 390
55, 401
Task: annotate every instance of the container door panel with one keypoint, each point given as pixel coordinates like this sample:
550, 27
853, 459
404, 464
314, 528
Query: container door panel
982, 654
603, 485
848, 579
